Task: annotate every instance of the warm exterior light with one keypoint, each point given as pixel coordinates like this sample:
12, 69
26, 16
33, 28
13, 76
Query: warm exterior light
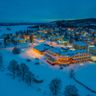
33, 53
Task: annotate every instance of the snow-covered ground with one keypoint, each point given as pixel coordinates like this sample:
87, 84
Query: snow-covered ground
9, 87
86, 73
12, 29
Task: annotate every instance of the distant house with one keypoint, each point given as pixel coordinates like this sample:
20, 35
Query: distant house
26, 37
41, 48
93, 58
64, 42
92, 50
80, 45
20, 40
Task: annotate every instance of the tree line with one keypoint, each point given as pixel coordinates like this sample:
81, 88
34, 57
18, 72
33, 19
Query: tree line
22, 72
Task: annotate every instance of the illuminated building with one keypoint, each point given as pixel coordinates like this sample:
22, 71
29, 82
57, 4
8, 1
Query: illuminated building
80, 56
20, 40
26, 37
41, 48
92, 50
80, 45
57, 56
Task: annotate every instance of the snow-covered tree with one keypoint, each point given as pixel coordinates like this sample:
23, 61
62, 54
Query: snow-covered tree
55, 87
31, 39
16, 50
28, 78
71, 90
1, 61
12, 68
5, 42
0, 44
23, 70
72, 73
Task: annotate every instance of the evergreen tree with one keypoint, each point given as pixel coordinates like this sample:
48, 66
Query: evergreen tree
55, 87
5, 42
71, 90
31, 39
23, 70
16, 50
12, 68
28, 78
72, 73
1, 61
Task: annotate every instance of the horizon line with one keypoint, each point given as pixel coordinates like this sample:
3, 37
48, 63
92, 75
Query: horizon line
42, 21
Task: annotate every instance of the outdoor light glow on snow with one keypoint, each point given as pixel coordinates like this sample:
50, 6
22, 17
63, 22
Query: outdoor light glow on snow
31, 53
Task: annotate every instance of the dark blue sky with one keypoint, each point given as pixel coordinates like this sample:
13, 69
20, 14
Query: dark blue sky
45, 10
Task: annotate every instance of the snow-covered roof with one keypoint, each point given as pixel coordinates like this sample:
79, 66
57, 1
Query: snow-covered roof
63, 52
74, 52
42, 47
94, 48
56, 50
19, 39
80, 43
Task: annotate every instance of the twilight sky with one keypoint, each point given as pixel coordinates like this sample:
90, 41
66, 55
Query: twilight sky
45, 10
